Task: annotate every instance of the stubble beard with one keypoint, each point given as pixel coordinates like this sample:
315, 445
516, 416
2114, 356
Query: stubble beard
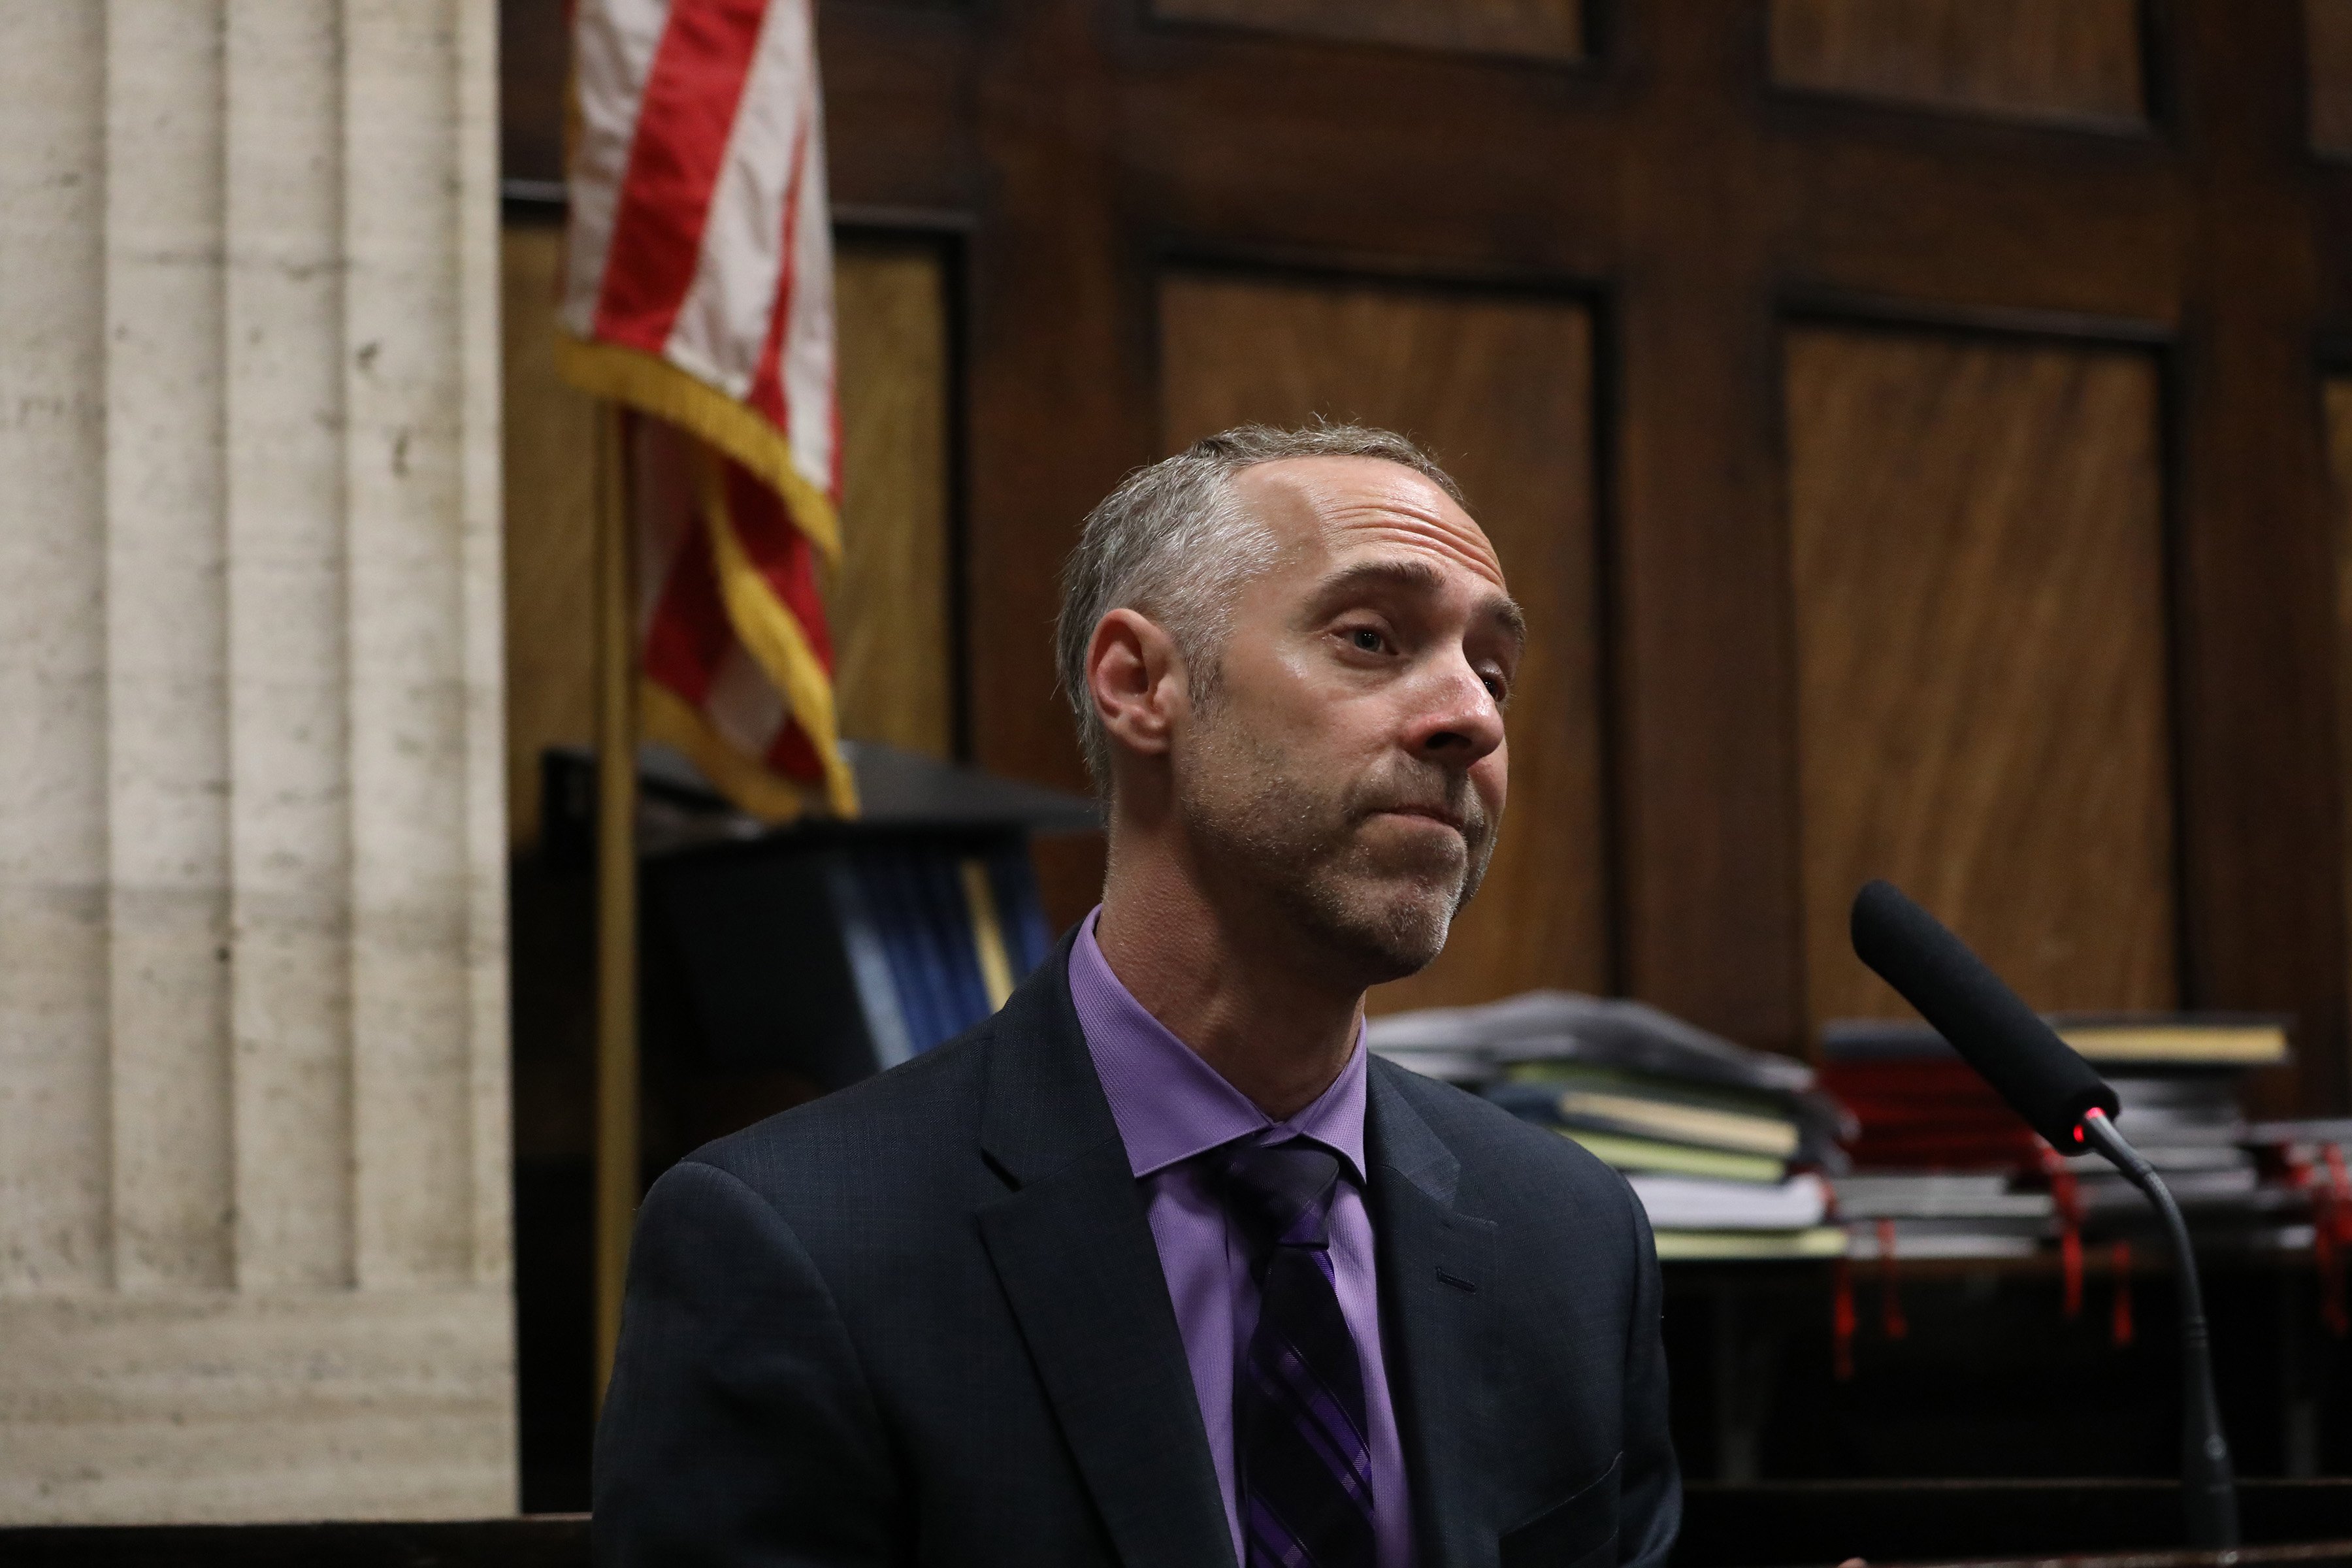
1379, 906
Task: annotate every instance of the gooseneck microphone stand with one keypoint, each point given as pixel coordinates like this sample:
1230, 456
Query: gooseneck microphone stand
2061, 1098
2209, 1495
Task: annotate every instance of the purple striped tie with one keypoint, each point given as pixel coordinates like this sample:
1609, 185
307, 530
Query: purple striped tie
1304, 1468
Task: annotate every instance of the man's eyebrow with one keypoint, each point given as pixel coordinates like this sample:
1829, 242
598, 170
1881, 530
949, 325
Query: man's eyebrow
1421, 576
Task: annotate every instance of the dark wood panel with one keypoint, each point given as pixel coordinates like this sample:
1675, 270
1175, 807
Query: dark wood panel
2339, 413
534, 59
1241, 140
2328, 45
1709, 925
2259, 771
2076, 60
1978, 565
1543, 29
888, 605
1499, 389
899, 127
1059, 398
2331, 231
2097, 224
551, 531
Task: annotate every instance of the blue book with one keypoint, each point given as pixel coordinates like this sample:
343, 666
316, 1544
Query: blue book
1020, 912
914, 969
964, 990
864, 945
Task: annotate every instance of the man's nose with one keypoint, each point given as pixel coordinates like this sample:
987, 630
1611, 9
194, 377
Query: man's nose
1456, 718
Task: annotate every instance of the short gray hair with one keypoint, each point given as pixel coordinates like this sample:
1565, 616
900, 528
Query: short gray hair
1171, 544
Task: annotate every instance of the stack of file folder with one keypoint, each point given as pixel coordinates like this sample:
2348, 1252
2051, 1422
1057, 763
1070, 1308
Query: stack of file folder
1722, 1144
1945, 1169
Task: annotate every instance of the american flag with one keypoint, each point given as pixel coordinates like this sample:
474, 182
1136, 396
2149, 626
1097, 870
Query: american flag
697, 294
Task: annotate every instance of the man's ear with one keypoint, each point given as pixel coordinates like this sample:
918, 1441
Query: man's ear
1135, 680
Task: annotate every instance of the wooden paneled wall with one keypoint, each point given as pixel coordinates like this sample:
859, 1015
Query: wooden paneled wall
1539, 29
1907, 416
2337, 414
2327, 26
2076, 60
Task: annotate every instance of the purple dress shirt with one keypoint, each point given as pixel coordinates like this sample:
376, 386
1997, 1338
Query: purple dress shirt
1169, 1106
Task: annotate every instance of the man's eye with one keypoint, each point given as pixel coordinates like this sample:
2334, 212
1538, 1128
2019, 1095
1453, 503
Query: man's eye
1367, 639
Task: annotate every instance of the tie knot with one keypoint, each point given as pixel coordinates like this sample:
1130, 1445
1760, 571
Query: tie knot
1280, 1194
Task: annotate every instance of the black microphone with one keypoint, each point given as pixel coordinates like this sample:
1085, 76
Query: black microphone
2002, 1038
2061, 1098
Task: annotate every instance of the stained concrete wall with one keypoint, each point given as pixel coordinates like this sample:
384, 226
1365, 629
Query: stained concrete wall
254, 1235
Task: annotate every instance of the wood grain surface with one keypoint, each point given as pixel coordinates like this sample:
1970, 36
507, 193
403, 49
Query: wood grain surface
2327, 49
1499, 390
534, 67
549, 528
1709, 926
894, 666
1977, 559
1545, 29
2338, 394
2260, 778
2078, 60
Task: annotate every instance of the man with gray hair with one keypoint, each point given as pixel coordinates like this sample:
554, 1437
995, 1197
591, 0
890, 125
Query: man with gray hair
1157, 1265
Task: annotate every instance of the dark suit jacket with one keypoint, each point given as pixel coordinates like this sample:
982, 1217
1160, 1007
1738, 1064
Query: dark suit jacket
923, 1321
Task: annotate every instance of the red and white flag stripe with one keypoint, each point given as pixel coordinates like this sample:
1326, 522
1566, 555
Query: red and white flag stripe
699, 290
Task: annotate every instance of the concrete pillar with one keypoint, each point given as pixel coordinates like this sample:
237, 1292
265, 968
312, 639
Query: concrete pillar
254, 1234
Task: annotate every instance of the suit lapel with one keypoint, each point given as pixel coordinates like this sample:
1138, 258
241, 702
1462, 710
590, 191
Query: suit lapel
1073, 1248
1436, 1278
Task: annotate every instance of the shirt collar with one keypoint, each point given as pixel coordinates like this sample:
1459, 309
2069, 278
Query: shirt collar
1170, 1105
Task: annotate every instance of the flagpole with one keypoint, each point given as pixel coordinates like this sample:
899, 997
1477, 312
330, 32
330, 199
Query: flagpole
617, 1173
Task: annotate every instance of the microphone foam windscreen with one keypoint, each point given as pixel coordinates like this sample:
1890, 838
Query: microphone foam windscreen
2006, 1041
